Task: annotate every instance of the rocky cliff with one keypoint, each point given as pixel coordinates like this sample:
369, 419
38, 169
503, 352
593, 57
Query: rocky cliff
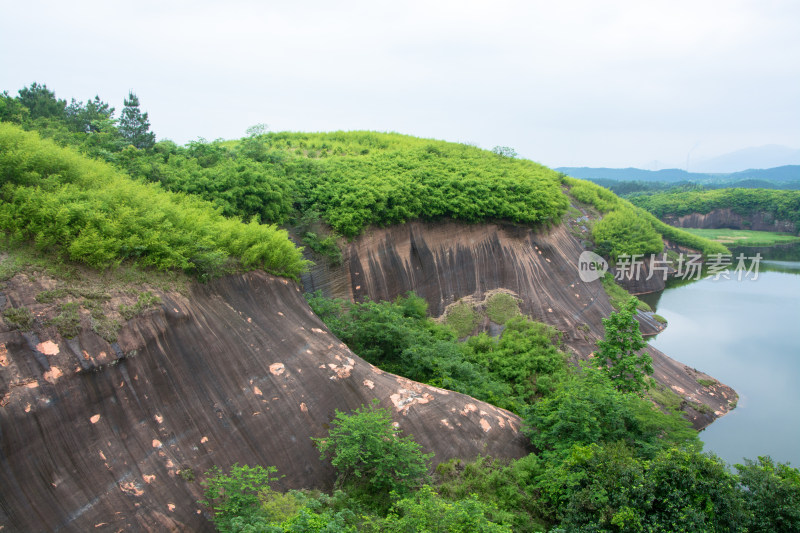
726, 218
446, 261
99, 437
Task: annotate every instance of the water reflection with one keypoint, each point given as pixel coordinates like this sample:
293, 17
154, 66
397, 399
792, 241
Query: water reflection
744, 334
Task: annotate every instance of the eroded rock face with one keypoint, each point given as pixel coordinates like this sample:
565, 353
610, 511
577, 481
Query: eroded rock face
446, 261
95, 437
726, 218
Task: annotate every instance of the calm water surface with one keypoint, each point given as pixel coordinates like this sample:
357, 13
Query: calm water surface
746, 334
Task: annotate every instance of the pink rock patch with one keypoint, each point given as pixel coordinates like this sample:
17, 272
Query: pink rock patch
53, 374
277, 369
48, 348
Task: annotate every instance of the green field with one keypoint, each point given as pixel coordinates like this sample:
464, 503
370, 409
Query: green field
741, 237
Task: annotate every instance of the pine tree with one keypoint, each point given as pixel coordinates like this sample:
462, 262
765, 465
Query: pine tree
42, 102
135, 125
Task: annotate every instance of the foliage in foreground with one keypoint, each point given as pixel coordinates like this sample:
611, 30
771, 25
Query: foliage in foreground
370, 455
90, 213
619, 353
606, 459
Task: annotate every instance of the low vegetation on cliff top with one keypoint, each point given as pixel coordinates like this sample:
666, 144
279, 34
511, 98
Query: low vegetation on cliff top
347, 180
90, 212
627, 229
778, 205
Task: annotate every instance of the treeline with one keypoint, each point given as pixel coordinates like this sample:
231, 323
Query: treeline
330, 184
352, 179
87, 211
604, 460
628, 229
781, 205
629, 188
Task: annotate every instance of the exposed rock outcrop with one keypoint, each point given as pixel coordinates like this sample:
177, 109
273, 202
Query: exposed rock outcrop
727, 218
95, 437
446, 261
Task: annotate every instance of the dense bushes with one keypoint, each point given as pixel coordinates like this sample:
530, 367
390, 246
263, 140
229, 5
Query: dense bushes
627, 229
91, 213
398, 337
781, 205
371, 456
357, 179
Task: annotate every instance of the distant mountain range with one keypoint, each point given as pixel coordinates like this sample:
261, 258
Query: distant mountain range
769, 156
778, 175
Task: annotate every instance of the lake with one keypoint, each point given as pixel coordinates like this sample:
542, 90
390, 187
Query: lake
747, 335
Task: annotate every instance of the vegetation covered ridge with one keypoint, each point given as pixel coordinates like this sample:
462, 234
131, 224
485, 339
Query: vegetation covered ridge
626, 229
356, 179
327, 185
89, 212
782, 205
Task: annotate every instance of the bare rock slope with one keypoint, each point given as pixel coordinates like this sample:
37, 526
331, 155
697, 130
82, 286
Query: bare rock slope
446, 261
95, 437
727, 218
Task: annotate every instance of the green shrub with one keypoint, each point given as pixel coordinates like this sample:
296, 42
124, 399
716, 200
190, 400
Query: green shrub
500, 307
772, 495
236, 496
68, 320
371, 456
399, 338
425, 510
632, 229
19, 317
462, 318
587, 408
618, 296
145, 301
93, 214
527, 357
50, 296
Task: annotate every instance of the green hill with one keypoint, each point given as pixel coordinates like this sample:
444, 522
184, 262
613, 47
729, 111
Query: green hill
87, 211
321, 185
782, 205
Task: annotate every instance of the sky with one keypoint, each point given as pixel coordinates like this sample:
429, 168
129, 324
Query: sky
652, 84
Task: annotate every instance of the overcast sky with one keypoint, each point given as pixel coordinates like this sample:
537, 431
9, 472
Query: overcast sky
565, 83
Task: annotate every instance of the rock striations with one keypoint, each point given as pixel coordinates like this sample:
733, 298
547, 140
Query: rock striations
446, 261
100, 437
95, 437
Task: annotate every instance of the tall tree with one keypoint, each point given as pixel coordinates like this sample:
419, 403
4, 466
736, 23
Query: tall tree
11, 110
618, 352
135, 125
42, 102
93, 117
